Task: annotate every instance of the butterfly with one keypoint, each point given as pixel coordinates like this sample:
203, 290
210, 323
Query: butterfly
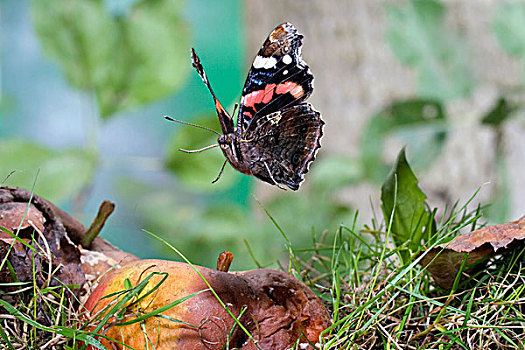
277, 134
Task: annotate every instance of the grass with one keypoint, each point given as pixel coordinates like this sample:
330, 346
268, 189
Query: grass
376, 300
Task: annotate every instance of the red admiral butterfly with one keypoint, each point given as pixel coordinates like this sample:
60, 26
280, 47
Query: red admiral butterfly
277, 135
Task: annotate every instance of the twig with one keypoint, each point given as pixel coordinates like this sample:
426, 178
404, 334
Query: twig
105, 210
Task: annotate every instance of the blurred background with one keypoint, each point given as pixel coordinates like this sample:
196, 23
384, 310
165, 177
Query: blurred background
85, 85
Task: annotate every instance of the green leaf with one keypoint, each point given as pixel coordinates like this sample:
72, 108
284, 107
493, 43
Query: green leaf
418, 123
126, 60
418, 36
200, 169
403, 205
499, 112
60, 173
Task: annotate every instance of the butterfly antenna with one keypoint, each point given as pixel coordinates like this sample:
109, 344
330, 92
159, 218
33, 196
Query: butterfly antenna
190, 124
220, 172
198, 150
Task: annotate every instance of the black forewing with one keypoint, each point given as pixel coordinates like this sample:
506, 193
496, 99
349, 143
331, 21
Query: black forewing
283, 43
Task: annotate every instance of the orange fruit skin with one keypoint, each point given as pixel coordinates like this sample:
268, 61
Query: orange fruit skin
276, 307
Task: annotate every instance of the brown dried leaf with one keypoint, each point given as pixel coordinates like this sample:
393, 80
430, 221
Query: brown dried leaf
444, 260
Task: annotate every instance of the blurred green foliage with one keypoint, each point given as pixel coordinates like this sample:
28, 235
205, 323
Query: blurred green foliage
509, 27
418, 36
24, 158
333, 172
198, 170
124, 59
419, 123
499, 208
204, 223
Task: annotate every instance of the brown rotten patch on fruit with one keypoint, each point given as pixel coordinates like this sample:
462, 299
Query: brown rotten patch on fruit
276, 310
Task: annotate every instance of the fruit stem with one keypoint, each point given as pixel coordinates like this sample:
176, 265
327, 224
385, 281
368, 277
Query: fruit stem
104, 211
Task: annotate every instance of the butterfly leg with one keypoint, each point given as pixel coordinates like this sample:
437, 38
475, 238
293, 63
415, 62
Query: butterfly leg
220, 172
271, 176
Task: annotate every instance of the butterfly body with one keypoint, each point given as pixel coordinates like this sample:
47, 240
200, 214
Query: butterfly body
277, 135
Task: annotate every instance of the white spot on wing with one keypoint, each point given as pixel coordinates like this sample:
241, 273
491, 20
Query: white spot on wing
287, 59
264, 62
276, 119
285, 72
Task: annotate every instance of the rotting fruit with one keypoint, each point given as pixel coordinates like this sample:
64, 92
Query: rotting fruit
275, 309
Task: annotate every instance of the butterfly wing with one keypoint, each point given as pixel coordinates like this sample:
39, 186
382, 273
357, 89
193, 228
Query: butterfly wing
224, 118
284, 143
278, 78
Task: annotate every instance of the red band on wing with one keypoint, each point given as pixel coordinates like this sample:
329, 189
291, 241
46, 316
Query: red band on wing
268, 93
259, 96
297, 91
284, 87
294, 89
253, 97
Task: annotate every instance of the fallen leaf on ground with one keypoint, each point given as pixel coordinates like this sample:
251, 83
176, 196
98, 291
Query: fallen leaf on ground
445, 260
